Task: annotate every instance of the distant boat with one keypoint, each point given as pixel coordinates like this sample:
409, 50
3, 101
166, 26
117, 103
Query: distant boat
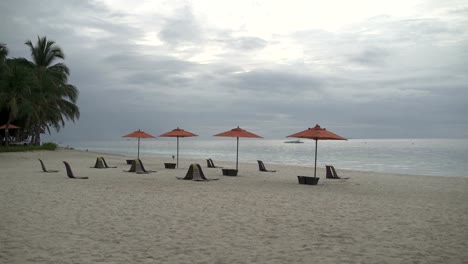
294, 141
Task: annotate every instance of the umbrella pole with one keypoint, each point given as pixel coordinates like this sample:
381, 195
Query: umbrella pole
138, 155
7, 135
315, 168
237, 156
177, 152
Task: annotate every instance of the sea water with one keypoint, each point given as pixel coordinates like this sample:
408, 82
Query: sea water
438, 157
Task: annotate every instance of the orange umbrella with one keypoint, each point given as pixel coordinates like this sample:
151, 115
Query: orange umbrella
317, 133
10, 126
178, 133
237, 133
139, 134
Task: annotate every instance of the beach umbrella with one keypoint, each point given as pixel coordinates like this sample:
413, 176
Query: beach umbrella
11, 126
139, 134
317, 133
237, 133
178, 133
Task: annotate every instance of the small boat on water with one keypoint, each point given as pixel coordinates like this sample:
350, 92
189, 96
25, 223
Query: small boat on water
294, 141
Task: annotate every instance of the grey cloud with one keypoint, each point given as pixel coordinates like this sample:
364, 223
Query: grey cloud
181, 29
63, 23
371, 56
381, 78
412, 31
246, 43
158, 72
463, 11
270, 81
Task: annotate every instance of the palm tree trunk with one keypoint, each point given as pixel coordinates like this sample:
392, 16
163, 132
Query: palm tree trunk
33, 135
26, 132
38, 137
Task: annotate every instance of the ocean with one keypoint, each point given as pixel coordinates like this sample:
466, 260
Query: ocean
437, 157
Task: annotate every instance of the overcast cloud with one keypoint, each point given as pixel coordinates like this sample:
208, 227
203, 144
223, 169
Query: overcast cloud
363, 69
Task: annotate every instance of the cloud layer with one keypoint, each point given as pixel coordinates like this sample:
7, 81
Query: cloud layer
273, 69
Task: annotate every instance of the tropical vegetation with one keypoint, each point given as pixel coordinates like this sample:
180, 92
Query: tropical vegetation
35, 94
21, 148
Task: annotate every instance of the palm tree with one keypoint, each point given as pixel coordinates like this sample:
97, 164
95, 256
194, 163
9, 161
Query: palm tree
3, 56
3, 53
15, 90
58, 100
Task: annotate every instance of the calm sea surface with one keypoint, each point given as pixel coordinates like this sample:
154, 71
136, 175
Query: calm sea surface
439, 157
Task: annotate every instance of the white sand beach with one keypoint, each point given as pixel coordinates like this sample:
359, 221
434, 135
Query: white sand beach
256, 217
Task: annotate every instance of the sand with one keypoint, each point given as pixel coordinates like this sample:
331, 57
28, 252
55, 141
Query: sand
256, 217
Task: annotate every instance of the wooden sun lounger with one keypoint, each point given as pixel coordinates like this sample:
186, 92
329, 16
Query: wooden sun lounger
210, 163
101, 164
105, 163
70, 172
331, 173
261, 167
44, 168
195, 173
137, 167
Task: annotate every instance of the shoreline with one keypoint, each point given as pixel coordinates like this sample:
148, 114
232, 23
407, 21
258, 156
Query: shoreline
256, 217
272, 163
431, 157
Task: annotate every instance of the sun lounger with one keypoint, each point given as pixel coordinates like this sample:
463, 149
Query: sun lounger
195, 173
261, 167
143, 167
105, 163
331, 173
70, 172
211, 164
133, 167
44, 168
99, 164
137, 167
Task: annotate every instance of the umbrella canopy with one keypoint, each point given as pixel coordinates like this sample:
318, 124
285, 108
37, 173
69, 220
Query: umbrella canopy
139, 134
237, 133
178, 133
317, 133
11, 126
4, 127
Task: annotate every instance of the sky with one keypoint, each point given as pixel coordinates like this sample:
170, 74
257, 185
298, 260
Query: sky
362, 68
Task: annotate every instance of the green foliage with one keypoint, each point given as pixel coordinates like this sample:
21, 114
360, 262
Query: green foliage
22, 148
49, 146
36, 94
